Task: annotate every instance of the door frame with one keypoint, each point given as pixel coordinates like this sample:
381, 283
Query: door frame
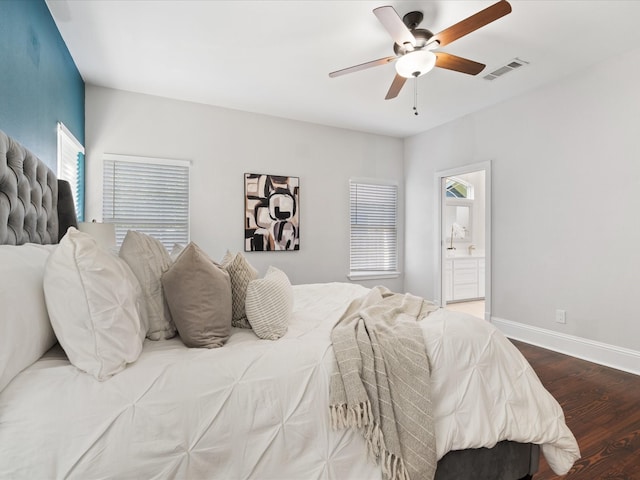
440, 190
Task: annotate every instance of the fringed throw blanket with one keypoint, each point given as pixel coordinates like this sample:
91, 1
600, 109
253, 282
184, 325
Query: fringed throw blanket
381, 383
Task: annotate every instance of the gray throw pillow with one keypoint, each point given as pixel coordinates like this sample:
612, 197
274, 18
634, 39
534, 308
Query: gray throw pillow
199, 296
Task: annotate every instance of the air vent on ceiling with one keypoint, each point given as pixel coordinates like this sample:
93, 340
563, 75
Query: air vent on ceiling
509, 67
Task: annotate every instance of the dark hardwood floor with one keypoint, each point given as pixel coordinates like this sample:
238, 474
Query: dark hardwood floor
602, 409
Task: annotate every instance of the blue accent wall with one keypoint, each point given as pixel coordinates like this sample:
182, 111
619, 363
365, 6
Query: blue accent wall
39, 82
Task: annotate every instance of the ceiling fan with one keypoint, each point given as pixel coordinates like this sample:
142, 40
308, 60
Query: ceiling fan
414, 47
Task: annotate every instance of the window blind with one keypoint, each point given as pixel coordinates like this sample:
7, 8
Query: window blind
374, 243
71, 166
148, 195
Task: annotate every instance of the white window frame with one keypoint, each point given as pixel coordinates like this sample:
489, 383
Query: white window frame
357, 268
128, 221
68, 166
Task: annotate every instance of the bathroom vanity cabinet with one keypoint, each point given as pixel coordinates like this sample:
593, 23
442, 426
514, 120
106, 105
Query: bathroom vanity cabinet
464, 278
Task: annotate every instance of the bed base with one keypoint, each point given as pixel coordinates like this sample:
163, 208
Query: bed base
506, 461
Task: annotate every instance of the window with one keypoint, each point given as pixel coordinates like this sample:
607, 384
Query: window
458, 188
374, 233
71, 166
150, 195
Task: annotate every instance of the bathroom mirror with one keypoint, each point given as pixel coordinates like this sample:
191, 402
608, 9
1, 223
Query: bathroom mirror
458, 221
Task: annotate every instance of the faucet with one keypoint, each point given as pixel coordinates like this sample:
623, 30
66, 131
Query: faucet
472, 247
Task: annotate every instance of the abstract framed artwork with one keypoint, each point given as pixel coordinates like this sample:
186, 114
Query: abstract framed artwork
271, 210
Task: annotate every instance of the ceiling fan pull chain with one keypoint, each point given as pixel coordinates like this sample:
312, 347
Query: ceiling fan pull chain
415, 95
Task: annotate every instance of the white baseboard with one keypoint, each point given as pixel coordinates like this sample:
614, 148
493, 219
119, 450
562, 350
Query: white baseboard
597, 352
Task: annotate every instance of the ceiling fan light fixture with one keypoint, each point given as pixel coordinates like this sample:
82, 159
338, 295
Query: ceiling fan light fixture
416, 63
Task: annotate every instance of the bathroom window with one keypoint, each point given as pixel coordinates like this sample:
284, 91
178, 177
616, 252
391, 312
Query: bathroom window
457, 188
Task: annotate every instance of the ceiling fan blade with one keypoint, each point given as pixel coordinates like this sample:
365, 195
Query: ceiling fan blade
362, 66
472, 23
459, 64
395, 88
394, 25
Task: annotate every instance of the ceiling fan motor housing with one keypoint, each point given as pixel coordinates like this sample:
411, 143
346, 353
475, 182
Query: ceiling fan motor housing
422, 36
413, 19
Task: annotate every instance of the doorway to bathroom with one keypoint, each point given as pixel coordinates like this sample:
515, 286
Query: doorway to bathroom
464, 232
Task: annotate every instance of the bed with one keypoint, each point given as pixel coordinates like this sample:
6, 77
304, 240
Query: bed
253, 408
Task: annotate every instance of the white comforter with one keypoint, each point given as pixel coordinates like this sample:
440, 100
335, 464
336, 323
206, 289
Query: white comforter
258, 408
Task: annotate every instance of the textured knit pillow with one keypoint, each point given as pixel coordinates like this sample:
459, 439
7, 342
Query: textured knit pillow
269, 304
241, 273
148, 259
199, 296
92, 297
176, 251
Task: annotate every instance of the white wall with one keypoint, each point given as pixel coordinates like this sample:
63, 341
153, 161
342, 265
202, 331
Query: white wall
224, 144
566, 192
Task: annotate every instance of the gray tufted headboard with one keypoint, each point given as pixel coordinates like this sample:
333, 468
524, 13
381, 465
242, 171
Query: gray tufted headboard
29, 197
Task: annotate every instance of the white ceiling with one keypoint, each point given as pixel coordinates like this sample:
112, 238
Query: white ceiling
273, 57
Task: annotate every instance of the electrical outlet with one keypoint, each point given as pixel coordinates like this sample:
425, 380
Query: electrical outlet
561, 316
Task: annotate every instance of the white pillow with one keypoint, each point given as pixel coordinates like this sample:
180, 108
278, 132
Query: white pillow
148, 259
25, 330
269, 304
92, 297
